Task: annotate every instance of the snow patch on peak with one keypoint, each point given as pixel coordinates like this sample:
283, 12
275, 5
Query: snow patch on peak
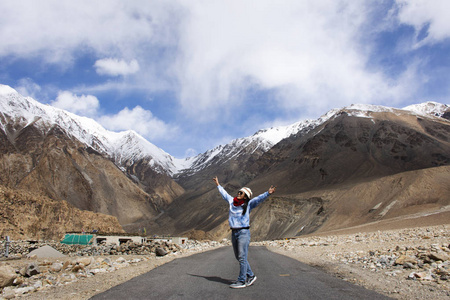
129, 146
366, 110
125, 146
7, 90
369, 107
429, 108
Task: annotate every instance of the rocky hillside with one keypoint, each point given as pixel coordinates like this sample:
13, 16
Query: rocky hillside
352, 166
358, 166
64, 169
65, 157
28, 215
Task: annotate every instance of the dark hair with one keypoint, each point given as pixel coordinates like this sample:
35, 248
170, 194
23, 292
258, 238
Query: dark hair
245, 204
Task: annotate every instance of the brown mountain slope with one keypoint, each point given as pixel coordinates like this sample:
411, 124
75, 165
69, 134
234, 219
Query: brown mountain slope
329, 177
400, 198
64, 169
28, 215
353, 149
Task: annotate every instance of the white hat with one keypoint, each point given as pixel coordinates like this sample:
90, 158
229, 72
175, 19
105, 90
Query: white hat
247, 191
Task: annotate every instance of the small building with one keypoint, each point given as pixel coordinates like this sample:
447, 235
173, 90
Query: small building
118, 240
93, 239
179, 240
77, 239
175, 240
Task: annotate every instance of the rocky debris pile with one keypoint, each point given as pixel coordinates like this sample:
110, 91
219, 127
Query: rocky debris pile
415, 263
23, 248
416, 255
20, 275
35, 276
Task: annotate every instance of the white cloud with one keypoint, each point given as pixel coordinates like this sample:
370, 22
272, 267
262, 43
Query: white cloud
430, 19
27, 87
307, 53
115, 67
140, 120
55, 30
85, 105
190, 152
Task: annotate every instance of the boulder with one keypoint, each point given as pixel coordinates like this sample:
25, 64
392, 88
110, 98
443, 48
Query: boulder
7, 276
405, 259
160, 251
86, 261
31, 270
78, 268
56, 267
441, 256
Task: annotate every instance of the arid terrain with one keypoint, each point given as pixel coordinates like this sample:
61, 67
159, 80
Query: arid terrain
411, 263
405, 264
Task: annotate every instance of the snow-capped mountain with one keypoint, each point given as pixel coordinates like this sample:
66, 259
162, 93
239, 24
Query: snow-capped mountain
128, 146
262, 140
430, 108
122, 146
266, 138
52, 152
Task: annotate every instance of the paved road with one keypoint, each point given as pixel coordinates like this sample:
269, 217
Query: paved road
207, 276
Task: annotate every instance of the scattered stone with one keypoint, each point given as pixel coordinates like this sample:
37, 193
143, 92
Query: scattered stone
56, 267
31, 270
77, 268
66, 265
160, 251
7, 276
120, 260
18, 281
438, 256
415, 268
86, 261
403, 259
85, 264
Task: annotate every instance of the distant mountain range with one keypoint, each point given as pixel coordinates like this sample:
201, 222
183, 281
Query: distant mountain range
72, 158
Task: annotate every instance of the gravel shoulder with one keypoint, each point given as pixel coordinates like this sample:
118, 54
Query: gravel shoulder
403, 264
88, 281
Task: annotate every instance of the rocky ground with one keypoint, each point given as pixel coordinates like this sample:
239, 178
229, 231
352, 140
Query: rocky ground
85, 270
402, 264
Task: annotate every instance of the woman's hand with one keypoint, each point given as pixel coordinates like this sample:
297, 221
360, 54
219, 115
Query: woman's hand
272, 189
216, 180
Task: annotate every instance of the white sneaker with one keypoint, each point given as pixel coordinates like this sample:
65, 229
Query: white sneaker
238, 285
250, 280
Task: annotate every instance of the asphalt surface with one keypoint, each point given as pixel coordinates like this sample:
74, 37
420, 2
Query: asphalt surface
208, 275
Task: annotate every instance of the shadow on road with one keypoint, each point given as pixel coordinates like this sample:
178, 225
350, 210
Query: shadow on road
214, 278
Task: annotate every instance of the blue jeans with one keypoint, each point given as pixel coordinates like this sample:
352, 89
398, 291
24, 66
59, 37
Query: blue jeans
240, 239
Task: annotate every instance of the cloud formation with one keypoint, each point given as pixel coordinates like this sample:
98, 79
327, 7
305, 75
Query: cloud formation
85, 105
308, 53
140, 120
115, 67
430, 19
218, 61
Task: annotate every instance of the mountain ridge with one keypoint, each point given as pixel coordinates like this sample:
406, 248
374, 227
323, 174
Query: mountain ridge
117, 144
73, 158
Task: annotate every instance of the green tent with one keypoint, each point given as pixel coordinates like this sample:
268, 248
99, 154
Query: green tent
77, 239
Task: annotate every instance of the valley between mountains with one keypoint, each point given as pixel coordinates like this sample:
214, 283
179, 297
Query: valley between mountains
361, 166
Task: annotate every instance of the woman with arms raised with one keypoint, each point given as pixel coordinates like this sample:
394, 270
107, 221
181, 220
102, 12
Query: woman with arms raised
239, 220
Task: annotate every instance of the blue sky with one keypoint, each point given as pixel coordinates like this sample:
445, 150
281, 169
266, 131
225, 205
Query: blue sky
190, 75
